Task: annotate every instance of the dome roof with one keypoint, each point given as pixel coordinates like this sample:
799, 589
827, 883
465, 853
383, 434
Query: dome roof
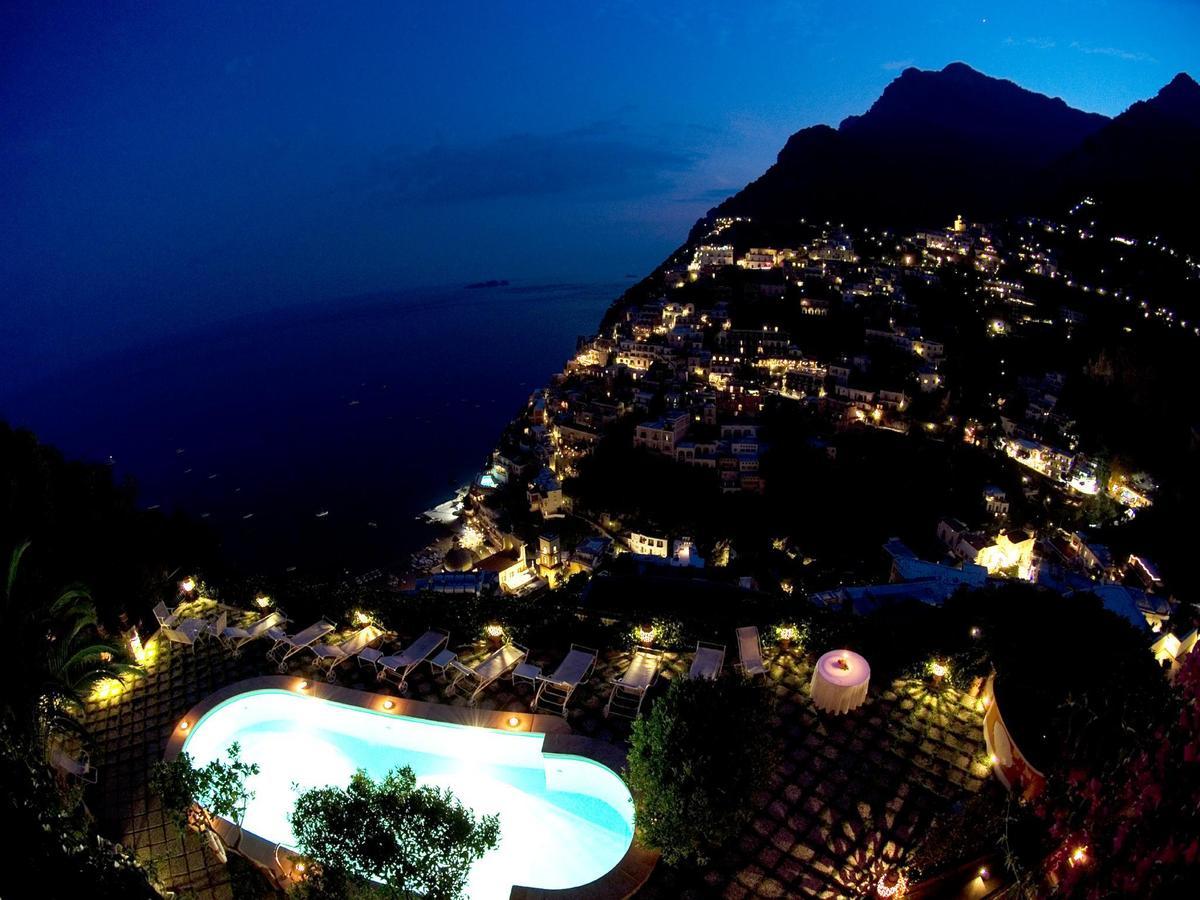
459, 559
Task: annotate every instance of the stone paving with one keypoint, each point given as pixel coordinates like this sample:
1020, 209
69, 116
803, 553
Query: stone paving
851, 792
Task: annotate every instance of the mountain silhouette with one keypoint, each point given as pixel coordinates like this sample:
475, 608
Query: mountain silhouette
1143, 167
937, 143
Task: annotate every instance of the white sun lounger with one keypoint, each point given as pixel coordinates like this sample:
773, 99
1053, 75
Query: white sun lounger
555, 690
750, 651
186, 632
471, 681
330, 656
235, 637
78, 766
287, 645
400, 665
166, 617
708, 662
215, 627
630, 689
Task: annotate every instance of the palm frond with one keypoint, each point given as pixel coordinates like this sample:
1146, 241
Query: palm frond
82, 619
95, 656
74, 597
14, 564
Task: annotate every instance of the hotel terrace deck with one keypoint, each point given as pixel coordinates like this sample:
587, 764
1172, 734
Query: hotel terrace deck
848, 790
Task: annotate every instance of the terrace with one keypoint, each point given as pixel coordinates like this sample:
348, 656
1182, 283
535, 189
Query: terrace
852, 794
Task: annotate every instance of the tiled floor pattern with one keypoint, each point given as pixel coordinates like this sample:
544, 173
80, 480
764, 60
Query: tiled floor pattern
849, 790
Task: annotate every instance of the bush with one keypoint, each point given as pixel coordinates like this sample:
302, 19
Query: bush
218, 787
695, 761
419, 841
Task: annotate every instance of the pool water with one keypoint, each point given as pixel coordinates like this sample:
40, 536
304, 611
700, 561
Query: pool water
564, 820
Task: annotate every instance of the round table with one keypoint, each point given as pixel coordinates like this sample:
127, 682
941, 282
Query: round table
840, 681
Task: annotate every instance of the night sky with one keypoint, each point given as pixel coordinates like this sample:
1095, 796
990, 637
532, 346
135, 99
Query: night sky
166, 165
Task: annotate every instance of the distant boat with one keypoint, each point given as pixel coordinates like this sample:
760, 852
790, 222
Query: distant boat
248, 516
322, 514
372, 524
490, 283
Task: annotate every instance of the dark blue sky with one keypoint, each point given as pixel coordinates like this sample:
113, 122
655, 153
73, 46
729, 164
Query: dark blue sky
163, 165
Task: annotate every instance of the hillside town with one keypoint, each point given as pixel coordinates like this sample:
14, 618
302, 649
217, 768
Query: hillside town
851, 334
849, 556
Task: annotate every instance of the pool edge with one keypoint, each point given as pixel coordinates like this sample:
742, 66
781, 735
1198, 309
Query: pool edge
618, 883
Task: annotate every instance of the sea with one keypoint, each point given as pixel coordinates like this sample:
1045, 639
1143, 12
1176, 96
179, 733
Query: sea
315, 437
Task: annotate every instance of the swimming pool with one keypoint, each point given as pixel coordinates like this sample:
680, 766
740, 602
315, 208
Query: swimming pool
564, 820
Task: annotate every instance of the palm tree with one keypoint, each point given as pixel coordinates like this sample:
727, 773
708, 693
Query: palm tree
58, 659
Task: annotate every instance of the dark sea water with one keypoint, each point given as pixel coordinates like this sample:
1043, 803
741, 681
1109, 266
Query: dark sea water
372, 409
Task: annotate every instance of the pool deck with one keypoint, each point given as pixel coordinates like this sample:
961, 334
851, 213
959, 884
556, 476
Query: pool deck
278, 863
401, 706
849, 791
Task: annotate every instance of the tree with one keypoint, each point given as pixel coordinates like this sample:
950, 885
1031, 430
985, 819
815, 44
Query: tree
57, 658
191, 796
690, 768
417, 841
51, 841
1131, 827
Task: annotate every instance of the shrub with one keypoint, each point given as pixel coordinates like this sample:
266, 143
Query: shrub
419, 841
694, 762
218, 788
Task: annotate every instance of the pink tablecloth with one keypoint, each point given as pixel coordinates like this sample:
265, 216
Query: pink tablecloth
840, 681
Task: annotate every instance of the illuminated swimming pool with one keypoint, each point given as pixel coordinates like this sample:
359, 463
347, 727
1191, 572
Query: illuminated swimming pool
488, 480
564, 820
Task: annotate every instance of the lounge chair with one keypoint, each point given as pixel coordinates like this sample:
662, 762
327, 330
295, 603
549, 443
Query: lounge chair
630, 689
400, 665
235, 637
708, 662
471, 681
330, 656
215, 627
79, 766
750, 651
555, 690
186, 632
166, 617
288, 645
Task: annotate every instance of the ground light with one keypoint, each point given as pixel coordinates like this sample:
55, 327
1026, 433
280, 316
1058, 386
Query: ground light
891, 884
